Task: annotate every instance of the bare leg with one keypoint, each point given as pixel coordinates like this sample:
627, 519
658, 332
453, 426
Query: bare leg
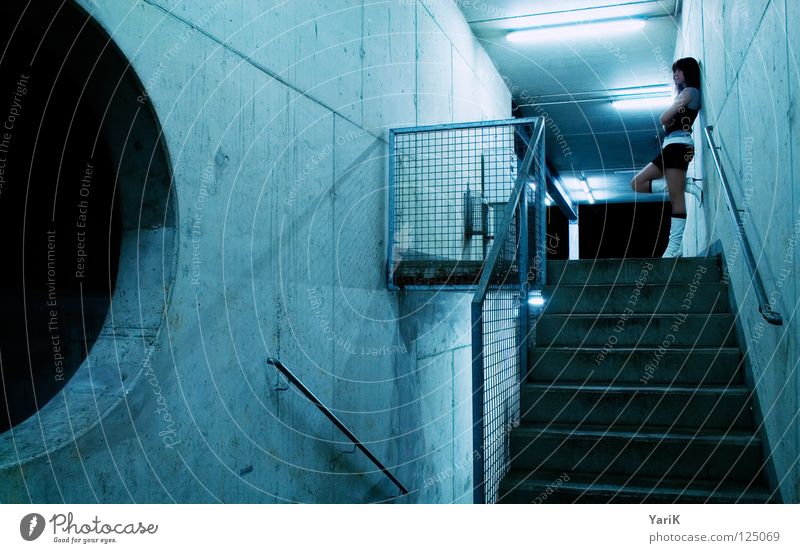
675, 185
641, 182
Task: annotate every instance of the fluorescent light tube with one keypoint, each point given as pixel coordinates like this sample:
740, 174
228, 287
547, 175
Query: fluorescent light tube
580, 30
575, 16
650, 90
587, 190
536, 299
643, 103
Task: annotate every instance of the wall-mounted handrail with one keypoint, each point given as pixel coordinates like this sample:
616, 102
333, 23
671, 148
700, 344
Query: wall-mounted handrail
335, 420
769, 314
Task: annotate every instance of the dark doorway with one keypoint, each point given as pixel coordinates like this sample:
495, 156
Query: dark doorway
557, 234
58, 203
623, 230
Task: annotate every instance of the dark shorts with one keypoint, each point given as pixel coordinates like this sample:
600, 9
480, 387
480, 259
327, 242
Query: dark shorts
674, 156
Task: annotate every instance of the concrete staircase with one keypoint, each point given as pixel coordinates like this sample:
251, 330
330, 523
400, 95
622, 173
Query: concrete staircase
636, 390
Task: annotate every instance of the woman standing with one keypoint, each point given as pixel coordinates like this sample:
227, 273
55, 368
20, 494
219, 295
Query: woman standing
676, 152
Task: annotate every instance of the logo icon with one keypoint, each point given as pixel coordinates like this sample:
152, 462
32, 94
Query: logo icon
31, 526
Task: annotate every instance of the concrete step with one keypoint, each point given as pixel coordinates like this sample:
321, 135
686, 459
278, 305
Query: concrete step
709, 297
631, 365
692, 330
720, 456
522, 486
692, 407
631, 270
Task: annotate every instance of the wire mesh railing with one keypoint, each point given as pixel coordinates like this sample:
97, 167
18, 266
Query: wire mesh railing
449, 186
467, 209
500, 319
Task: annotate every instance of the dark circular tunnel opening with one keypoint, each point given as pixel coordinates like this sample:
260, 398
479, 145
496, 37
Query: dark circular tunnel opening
65, 91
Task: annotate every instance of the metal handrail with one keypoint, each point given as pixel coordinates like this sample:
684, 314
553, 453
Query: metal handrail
516, 200
554, 185
508, 216
518, 124
335, 420
764, 307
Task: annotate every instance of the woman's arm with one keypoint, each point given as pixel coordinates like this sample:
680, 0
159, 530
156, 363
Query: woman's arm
680, 102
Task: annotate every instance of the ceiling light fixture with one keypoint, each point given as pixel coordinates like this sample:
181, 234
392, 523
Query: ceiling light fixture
656, 102
536, 299
576, 30
580, 15
644, 90
586, 189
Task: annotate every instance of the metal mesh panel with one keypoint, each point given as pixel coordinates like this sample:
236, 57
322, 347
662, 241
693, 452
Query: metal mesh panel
500, 355
501, 382
449, 189
500, 346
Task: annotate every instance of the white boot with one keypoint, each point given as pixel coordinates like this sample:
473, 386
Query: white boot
660, 185
693, 189
675, 245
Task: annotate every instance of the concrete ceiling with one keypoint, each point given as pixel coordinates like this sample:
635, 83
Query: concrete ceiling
571, 80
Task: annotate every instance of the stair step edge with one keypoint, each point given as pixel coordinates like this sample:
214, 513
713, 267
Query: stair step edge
522, 479
646, 389
528, 430
729, 350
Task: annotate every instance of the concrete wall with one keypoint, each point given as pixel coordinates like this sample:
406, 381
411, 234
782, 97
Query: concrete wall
275, 116
748, 53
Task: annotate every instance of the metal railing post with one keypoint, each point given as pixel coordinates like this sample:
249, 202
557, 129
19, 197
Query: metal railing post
478, 451
524, 251
390, 242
